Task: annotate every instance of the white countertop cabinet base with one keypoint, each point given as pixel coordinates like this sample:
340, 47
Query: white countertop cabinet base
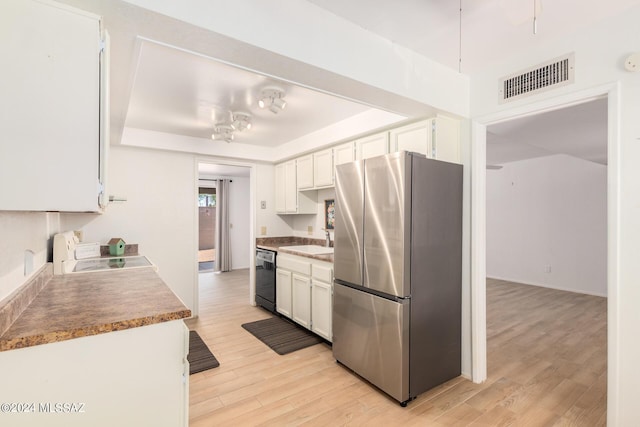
133, 377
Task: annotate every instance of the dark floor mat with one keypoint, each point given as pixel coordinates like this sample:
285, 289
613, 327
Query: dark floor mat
200, 357
281, 335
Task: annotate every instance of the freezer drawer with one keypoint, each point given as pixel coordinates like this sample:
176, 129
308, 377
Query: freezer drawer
371, 337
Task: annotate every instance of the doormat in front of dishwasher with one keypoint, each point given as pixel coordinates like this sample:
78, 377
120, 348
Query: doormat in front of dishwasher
200, 357
281, 335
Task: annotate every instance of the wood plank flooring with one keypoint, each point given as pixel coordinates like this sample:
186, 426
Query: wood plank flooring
546, 362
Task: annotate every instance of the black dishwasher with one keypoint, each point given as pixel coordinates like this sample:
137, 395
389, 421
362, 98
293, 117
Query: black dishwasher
266, 279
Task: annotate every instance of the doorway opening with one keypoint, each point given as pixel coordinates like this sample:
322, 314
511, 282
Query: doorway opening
478, 224
225, 219
546, 258
206, 227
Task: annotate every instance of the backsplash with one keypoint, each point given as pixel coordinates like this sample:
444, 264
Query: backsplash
24, 231
290, 241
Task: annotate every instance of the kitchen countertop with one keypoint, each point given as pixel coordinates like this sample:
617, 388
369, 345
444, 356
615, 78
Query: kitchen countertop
279, 244
283, 249
77, 305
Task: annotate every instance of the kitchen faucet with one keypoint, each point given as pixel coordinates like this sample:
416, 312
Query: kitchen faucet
328, 241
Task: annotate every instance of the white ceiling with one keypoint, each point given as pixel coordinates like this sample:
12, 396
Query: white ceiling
166, 89
183, 93
485, 31
578, 131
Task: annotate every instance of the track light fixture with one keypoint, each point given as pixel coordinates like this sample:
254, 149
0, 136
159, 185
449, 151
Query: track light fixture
222, 132
273, 99
240, 121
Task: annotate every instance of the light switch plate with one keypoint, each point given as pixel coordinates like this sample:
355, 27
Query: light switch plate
310, 230
263, 204
263, 230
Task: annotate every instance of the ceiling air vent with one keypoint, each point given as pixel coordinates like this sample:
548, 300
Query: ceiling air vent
549, 75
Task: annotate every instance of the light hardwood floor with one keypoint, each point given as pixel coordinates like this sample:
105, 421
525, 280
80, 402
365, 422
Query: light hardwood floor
547, 367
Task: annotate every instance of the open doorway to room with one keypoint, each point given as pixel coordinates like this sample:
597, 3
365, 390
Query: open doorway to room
206, 225
224, 217
546, 261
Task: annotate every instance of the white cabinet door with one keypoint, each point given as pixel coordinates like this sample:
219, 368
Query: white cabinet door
344, 153
372, 146
301, 301
281, 206
290, 188
323, 168
283, 292
446, 140
321, 309
132, 377
415, 137
288, 199
49, 107
304, 172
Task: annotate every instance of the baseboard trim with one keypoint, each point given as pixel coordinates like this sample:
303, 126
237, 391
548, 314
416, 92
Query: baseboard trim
558, 288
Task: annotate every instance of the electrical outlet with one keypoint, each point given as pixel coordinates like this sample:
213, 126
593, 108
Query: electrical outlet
263, 204
263, 230
310, 230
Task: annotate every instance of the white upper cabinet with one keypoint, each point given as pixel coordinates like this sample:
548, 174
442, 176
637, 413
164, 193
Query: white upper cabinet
445, 143
415, 137
290, 188
437, 138
344, 153
323, 168
52, 156
304, 172
281, 205
288, 199
372, 146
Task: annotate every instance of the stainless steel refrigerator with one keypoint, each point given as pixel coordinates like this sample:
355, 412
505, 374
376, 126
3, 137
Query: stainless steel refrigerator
397, 266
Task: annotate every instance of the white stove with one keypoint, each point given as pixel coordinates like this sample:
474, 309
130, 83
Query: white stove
69, 256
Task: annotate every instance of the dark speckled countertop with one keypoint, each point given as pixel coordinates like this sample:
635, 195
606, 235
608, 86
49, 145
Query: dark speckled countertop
77, 305
279, 244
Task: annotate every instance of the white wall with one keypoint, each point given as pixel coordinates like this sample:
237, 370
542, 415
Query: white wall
276, 225
600, 52
549, 212
159, 214
239, 203
302, 222
22, 231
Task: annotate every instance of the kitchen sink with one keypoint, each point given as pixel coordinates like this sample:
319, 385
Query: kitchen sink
310, 249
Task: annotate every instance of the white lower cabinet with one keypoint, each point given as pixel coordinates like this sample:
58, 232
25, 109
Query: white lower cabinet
301, 301
133, 377
283, 292
304, 292
321, 306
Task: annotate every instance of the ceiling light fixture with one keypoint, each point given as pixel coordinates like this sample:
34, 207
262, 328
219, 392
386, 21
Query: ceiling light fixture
240, 121
222, 132
273, 99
